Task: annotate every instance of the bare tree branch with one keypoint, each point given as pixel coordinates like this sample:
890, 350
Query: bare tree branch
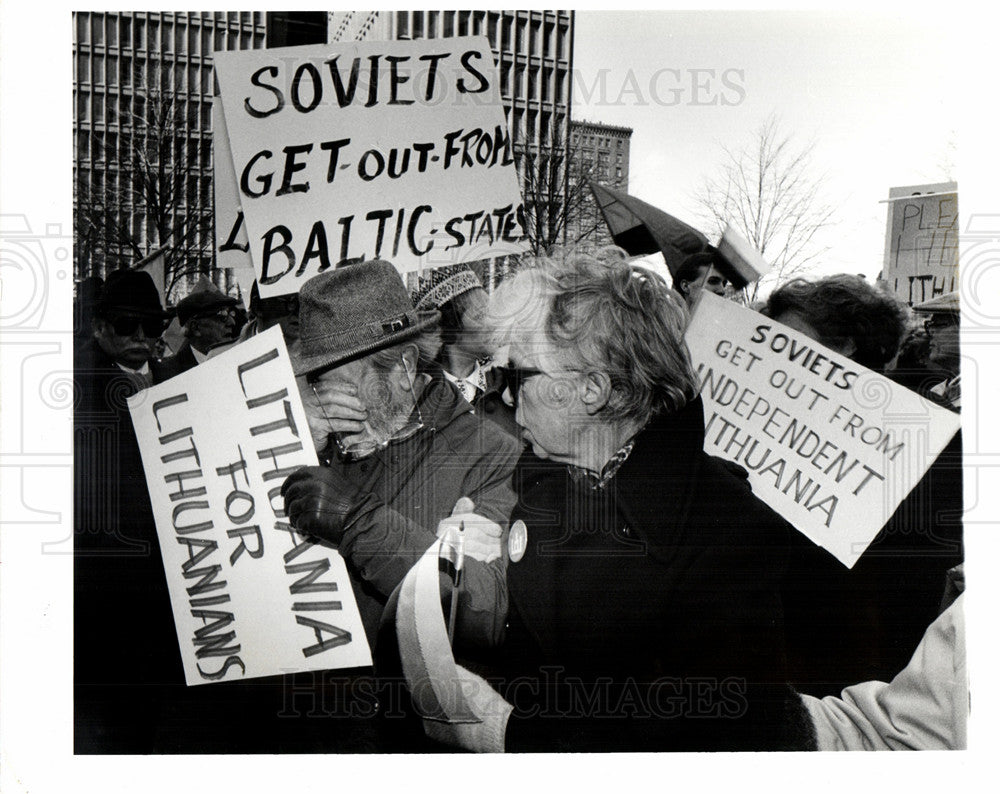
768, 192
159, 200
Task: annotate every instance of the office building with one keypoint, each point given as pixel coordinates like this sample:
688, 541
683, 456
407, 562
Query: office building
599, 152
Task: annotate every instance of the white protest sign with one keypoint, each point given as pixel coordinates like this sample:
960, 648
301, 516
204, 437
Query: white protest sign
395, 149
831, 446
921, 242
251, 597
232, 249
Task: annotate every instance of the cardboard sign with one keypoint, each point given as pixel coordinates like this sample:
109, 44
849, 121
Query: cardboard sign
921, 244
251, 597
831, 446
344, 152
232, 249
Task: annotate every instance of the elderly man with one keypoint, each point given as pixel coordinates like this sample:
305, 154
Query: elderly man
696, 273
643, 580
944, 356
208, 319
400, 448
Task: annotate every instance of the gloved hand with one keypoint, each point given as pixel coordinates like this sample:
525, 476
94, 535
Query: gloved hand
481, 537
317, 501
486, 736
331, 407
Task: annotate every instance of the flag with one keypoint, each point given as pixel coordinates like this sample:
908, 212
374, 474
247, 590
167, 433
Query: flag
641, 228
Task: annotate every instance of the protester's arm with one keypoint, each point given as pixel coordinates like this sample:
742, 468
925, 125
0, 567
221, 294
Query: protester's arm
925, 707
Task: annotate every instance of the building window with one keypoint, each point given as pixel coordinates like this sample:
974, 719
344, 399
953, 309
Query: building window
112, 31
98, 29
402, 23
449, 24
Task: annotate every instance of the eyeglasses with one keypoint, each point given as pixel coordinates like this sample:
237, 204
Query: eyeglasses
127, 325
937, 322
365, 448
222, 315
514, 378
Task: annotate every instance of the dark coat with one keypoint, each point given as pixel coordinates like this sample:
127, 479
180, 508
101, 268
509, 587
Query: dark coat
174, 365
126, 657
845, 626
646, 615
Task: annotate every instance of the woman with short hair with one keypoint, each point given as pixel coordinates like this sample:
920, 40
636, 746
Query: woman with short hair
644, 612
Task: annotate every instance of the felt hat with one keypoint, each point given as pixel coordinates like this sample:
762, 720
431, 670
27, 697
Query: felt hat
203, 302
129, 292
353, 311
937, 305
442, 284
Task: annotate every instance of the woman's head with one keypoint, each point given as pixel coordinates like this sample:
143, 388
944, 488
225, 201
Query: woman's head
607, 335
843, 312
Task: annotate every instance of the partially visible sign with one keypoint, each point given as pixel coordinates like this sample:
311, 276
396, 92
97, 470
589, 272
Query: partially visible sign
395, 149
921, 243
251, 597
232, 249
831, 446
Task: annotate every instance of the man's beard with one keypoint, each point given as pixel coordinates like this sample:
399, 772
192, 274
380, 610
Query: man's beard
387, 413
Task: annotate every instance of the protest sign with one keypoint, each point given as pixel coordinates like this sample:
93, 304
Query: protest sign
831, 446
395, 149
251, 597
921, 242
232, 249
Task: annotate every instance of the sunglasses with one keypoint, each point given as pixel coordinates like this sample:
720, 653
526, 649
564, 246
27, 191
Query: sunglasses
152, 327
514, 378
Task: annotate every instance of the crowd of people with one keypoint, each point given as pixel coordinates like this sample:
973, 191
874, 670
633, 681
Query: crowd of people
621, 589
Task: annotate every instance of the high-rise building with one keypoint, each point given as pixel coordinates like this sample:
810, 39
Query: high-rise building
143, 88
534, 55
142, 124
599, 152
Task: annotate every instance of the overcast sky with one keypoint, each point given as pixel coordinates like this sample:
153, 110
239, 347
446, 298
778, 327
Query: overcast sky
874, 92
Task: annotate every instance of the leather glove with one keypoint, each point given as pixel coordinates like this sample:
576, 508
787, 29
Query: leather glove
317, 501
485, 736
481, 537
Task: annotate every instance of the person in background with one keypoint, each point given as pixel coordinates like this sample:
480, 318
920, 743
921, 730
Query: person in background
696, 273
281, 310
458, 294
638, 565
207, 318
843, 312
943, 354
910, 367
863, 623
125, 645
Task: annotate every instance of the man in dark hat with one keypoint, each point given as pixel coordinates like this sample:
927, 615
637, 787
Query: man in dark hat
696, 273
208, 318
125, 647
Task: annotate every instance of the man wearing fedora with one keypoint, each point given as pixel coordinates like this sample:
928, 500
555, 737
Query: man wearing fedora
401, 448
125, 647
208, 319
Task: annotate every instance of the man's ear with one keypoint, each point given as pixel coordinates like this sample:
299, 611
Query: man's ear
684, 287
596, 391
98, 326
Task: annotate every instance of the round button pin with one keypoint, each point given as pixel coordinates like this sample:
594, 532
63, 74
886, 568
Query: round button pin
517, 542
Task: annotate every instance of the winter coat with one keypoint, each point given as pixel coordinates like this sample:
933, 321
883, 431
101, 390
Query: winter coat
646, 615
